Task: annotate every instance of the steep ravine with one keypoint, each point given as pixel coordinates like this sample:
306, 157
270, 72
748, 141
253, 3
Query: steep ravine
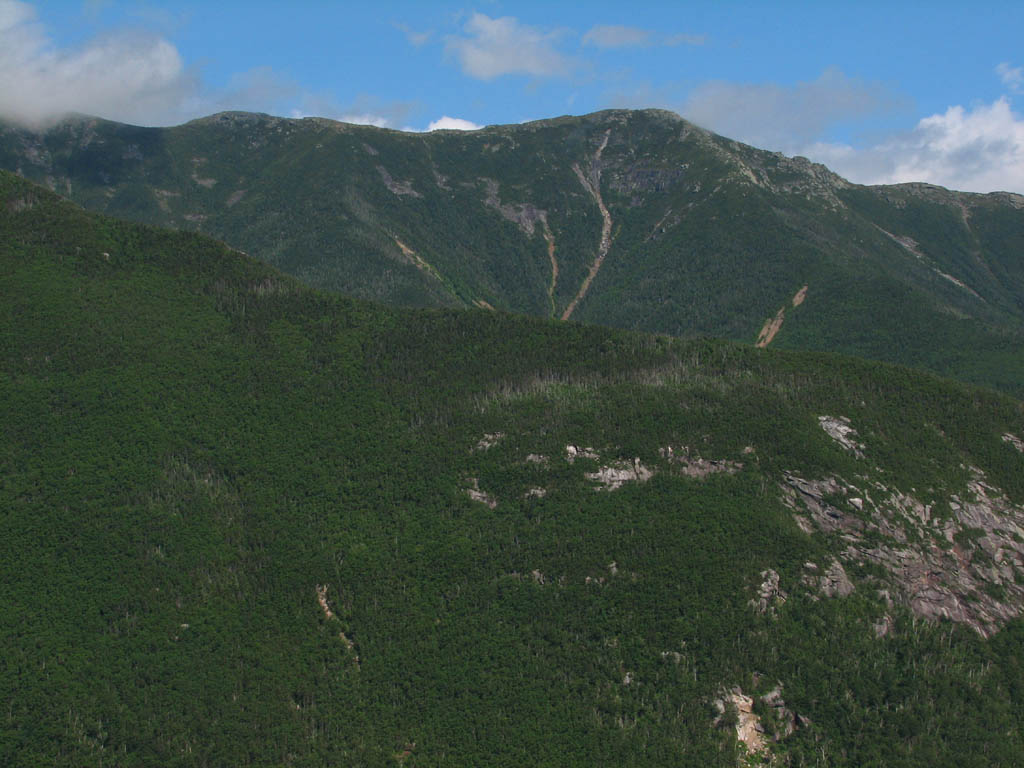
592, 183
549, 238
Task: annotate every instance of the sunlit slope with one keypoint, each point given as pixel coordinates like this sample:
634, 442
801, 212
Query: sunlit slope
630, 219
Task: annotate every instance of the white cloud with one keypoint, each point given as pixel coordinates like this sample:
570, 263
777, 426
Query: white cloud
128, 76
614, 36
1012, 77
503, 46
453, 124
783, 117
975, 150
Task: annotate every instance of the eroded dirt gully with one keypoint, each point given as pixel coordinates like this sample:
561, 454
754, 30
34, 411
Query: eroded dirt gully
773, 324
592, 183
550, 240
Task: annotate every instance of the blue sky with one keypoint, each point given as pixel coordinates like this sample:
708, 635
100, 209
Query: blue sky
881, 92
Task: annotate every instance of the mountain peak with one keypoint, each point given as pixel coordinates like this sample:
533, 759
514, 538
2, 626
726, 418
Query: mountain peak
631, 218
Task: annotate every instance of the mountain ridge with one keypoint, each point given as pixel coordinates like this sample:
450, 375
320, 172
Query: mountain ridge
708, 236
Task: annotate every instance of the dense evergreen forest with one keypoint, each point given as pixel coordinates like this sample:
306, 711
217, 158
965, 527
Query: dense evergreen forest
246, 522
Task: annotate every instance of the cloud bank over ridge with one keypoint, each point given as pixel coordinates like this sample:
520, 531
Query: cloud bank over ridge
127, 76
141, 77
975, 149
980, 149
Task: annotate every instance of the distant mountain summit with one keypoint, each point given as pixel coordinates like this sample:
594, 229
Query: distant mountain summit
634, 219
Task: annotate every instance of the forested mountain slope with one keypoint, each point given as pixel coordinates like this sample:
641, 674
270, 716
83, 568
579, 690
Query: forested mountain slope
250, 523
634, 219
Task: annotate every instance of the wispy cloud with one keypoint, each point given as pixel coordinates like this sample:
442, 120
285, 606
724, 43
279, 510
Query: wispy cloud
784, 117
1012, 77
415, 38
617, 36
491, 48
685, 39
260, 88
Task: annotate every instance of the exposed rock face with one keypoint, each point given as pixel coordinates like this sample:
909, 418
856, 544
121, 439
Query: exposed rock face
966, 568
197, 162
748, 725
524, 215
476, 494
808, 179
321, 598
16, 205
489, 440
637, 178
329, 615
840, 430
750, 729
808, 496
1015, 441
784, 719
399, 188
883, 626
768, 594
573, 452
832, 583
613, 476
835, 581
692, 465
